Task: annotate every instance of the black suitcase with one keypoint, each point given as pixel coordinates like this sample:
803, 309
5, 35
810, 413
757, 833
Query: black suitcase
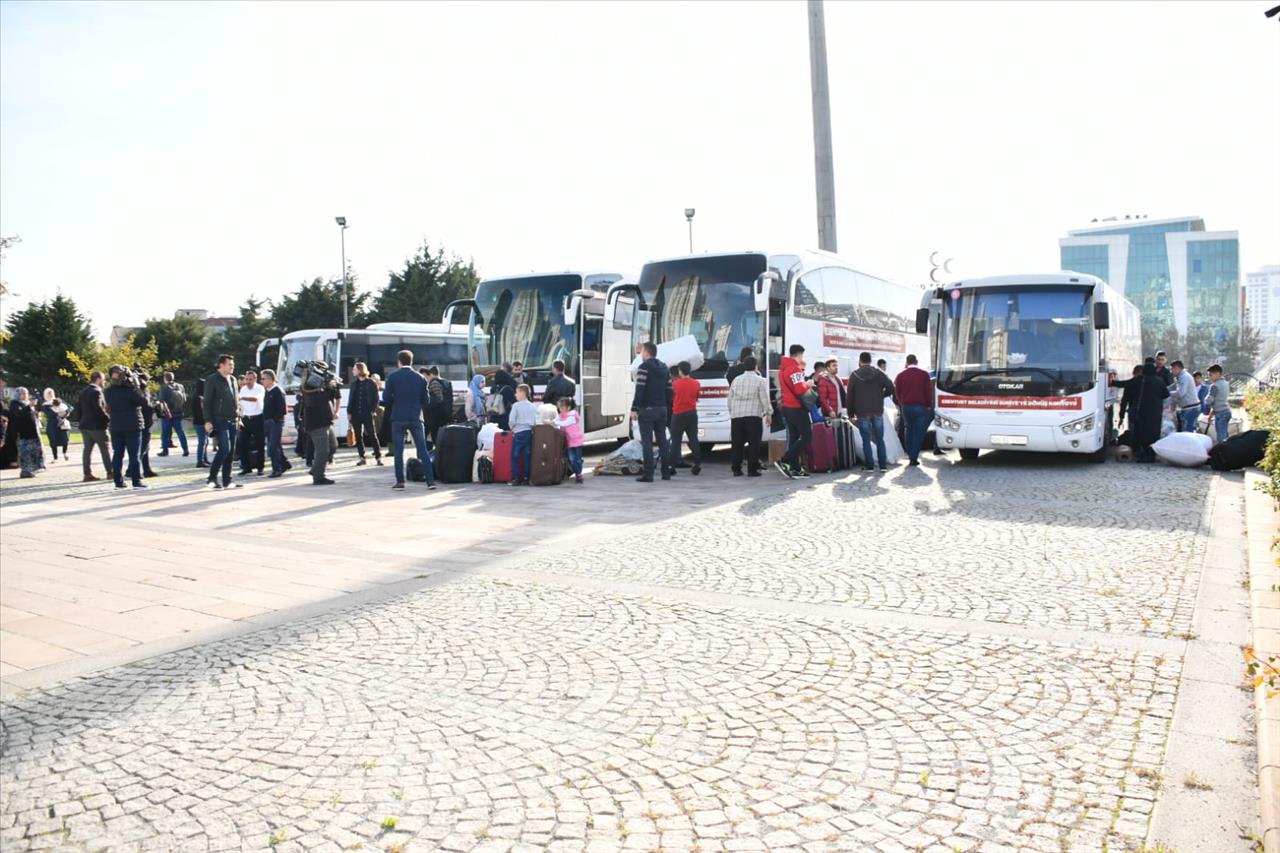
456, 453
844, 431
1239, 451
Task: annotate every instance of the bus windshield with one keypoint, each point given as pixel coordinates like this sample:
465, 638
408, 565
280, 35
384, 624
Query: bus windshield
1016, 342
294, 351
709, 298
523, 320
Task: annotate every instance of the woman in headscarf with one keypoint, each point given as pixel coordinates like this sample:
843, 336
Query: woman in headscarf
475, 399
24, 425
504, 384
1150, 407
56, 427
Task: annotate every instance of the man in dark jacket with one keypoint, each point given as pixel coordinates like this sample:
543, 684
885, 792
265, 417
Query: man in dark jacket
126, 403
274, 409
559, 385
221, 411
649, 411
94, 419
405, 395
174, 398
149, 412
868, 386
438, 410
1162, 369
914, 390
737, 368
197, 419
1150, 407
362, 403
1129, 396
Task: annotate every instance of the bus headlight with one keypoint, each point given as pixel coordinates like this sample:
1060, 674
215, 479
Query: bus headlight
1082, 425
944, 422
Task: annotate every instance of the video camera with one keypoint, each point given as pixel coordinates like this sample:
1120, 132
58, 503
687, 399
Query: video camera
125, 377
314, 375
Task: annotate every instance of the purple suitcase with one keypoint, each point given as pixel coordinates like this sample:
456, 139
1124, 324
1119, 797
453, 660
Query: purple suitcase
821, 453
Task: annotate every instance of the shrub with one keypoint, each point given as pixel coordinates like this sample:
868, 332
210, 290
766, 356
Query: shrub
1264, 413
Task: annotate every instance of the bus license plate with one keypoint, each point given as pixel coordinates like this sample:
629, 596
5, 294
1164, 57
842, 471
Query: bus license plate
1010, 440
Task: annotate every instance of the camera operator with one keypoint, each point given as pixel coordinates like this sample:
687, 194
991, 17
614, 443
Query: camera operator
126, 404
220, 410
252, 431
320, 404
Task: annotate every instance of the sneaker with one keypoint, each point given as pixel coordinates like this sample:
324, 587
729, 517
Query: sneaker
784, 470
914, 462
867, 468
802, 473
319, 481
737, 472
275, 474
215, 484
120, 484
141, 485
202, 464
361, 462
884, 468
697, 469
233, 485
379, 460
398, 487
431, 485
578, 479
514, 483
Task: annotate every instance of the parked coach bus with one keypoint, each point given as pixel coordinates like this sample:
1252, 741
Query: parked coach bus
1023, 361
770, 301
376, 346
542, 318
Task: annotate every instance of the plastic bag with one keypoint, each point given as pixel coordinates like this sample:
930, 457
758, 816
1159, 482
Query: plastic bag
1185, 449
484, 441
547, 413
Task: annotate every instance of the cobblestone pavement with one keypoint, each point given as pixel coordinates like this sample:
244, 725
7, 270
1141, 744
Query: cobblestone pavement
532, 707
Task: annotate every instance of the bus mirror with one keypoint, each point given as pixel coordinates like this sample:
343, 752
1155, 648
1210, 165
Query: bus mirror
570, 310
1101, 315
922, 321
764, 284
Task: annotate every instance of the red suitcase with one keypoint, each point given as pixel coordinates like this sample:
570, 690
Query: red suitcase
502, 457
821, 453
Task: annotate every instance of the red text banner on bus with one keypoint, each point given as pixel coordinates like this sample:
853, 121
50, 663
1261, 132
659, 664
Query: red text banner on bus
1062, 404
856, 337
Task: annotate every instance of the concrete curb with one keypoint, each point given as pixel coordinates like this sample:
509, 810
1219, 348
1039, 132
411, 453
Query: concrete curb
1262, 524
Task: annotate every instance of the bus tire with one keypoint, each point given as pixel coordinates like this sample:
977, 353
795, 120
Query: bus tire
1099, 456
968, 453
704, 447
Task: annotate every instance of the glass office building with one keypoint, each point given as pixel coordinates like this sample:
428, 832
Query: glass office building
1183, 278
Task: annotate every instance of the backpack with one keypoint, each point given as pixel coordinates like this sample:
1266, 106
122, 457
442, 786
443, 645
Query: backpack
494, 404
484, 469
1239, 451
178, 396
414, 470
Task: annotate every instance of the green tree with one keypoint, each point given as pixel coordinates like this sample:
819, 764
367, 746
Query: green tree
253, 325
39, 338
80, 366
6, 242
419, 293
318, 305
179, 340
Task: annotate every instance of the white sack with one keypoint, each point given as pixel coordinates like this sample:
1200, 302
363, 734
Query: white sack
484, 441
1182, 448
673, 352
892, 447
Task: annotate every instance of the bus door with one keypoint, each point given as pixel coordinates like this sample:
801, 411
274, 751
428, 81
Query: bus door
616, 353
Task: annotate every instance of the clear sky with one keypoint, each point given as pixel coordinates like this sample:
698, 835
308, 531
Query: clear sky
156, 156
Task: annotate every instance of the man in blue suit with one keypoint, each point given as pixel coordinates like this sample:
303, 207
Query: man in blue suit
405, 394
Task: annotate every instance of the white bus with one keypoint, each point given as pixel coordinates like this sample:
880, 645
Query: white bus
769, 302
542, 318
431, 343
1023, 361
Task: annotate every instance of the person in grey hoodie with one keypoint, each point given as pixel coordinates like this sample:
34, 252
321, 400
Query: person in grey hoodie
1218, 402
868, 386
1186, 401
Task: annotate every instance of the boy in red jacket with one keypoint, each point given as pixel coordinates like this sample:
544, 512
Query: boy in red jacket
791, 388
684, 417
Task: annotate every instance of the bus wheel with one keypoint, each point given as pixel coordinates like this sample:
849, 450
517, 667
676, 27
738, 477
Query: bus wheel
969, 453
1098, 456
705, 446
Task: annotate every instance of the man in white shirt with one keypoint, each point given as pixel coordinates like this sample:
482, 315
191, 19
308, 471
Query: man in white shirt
253, 434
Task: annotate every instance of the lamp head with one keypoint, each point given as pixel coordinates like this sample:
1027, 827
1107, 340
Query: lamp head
341, 220
688, 213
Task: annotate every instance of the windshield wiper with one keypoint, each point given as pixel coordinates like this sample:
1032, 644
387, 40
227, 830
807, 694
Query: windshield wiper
1008, 372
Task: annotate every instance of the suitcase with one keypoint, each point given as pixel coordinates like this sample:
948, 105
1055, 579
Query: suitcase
502, 457
455, 451
820, 455
846, 455
550, 452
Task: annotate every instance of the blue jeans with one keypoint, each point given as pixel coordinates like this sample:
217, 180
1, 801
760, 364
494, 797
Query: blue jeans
1187, 418
915, 424
521, 455
575, 461
169, 426
202, 442
872, 426
1220, 421
419, 434
121, 442
224, 434
275, 452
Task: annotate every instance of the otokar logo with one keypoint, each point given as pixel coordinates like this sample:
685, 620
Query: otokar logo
1011, 386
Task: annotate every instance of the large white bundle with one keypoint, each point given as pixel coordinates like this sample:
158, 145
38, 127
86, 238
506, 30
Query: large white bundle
673, 352
1182, 448
484, 441
893, 451
546, 413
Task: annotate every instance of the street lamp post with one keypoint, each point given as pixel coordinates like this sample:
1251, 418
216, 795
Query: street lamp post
342, 231
688, 215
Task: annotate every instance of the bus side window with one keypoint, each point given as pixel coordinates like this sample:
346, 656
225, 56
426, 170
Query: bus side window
624, 313
777, 326
352, 351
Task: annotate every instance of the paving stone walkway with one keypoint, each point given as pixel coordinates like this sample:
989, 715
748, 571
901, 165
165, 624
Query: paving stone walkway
961, 657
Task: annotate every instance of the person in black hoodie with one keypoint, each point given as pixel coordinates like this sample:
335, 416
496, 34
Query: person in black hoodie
1150, 407
92, 411
504, 386
1129, 396
126, 404
362, 404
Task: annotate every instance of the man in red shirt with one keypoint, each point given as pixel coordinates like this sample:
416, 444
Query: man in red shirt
684, 417
914, 390
791, 388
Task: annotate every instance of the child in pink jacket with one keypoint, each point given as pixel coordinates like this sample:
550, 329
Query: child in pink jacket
570, 421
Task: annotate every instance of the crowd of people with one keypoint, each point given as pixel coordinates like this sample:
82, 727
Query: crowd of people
1157, 385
